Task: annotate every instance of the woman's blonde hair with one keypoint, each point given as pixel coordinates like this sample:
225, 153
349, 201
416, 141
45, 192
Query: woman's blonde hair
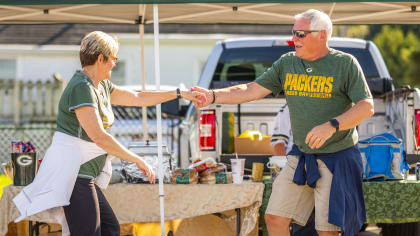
96, 43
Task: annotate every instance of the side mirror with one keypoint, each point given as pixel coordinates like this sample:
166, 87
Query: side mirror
379, 86
173, 108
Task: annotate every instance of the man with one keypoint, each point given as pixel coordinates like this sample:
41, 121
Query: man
328, 97
282, 138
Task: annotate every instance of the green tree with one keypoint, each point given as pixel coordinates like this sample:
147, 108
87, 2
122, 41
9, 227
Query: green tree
414, 73
401, 53
357, 31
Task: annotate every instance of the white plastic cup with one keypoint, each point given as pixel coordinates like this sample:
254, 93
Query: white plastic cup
238, 166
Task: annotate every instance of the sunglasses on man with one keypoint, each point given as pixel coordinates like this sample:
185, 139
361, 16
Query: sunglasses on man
302, 33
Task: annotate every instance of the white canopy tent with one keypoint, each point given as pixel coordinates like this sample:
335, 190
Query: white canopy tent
205, 11
199, 11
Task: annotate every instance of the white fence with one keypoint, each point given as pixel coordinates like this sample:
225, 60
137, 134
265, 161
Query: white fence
28, 112
29, 101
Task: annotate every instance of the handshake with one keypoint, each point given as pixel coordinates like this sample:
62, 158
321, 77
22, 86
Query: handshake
201, 97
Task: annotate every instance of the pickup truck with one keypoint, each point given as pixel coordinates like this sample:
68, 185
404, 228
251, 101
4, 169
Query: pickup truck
208, 132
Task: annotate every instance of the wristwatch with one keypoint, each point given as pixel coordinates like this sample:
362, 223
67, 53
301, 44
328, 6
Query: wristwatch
335, 124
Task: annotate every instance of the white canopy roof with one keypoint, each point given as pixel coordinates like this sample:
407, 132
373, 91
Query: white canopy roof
199, 11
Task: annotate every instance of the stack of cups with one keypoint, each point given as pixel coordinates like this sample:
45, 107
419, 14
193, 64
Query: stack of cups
238, 166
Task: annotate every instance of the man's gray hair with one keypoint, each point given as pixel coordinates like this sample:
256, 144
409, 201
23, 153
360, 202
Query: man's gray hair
319, 20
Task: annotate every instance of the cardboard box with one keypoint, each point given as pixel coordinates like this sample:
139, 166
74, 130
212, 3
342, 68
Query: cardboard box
248, 146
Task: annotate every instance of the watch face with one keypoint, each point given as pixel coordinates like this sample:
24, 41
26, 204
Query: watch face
334, 123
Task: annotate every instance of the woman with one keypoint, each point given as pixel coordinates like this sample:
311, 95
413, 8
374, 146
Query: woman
80, 152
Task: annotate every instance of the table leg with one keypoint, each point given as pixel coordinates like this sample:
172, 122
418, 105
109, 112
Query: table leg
31, 229
238, 221
37, 228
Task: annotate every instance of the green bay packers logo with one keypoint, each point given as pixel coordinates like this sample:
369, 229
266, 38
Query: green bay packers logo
24, 160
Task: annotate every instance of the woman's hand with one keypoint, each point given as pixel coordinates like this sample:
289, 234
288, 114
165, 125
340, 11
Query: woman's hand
198, 98
146, 169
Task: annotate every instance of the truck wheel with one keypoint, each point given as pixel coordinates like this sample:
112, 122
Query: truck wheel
405, 229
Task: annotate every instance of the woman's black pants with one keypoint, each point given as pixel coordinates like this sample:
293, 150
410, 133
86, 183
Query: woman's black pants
89, 213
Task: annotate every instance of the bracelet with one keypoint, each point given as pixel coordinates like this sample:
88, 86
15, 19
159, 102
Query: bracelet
178, 93
214, 96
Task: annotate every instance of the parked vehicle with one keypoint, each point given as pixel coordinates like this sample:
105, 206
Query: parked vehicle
208, 132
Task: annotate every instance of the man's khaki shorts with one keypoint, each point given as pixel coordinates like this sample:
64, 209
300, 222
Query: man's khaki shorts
297, 202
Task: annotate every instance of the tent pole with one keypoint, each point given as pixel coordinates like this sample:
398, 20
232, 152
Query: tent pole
159, 117
143, 76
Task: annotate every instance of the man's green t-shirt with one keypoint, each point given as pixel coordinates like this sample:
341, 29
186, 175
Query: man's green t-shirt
81, 92
318, 91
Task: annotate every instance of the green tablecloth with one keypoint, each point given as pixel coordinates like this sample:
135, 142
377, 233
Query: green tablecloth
392, 201
266, 196
386, 202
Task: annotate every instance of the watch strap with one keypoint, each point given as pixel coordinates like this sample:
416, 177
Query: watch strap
335, 124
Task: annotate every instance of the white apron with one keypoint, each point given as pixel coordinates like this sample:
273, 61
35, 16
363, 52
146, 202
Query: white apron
54, 182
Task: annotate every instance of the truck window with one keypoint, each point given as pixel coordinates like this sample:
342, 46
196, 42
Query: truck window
365, 60
242, 65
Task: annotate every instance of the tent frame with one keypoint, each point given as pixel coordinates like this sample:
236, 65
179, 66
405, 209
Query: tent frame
200, 11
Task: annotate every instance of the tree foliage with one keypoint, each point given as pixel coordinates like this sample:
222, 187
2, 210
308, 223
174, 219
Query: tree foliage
358, 31
401, 52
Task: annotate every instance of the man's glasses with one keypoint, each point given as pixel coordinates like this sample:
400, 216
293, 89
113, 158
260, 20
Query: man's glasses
302, 33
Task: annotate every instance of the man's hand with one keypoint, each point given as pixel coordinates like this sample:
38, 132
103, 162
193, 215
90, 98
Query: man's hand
146, 169
319, 134
207, 93
197, 97
279, 149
